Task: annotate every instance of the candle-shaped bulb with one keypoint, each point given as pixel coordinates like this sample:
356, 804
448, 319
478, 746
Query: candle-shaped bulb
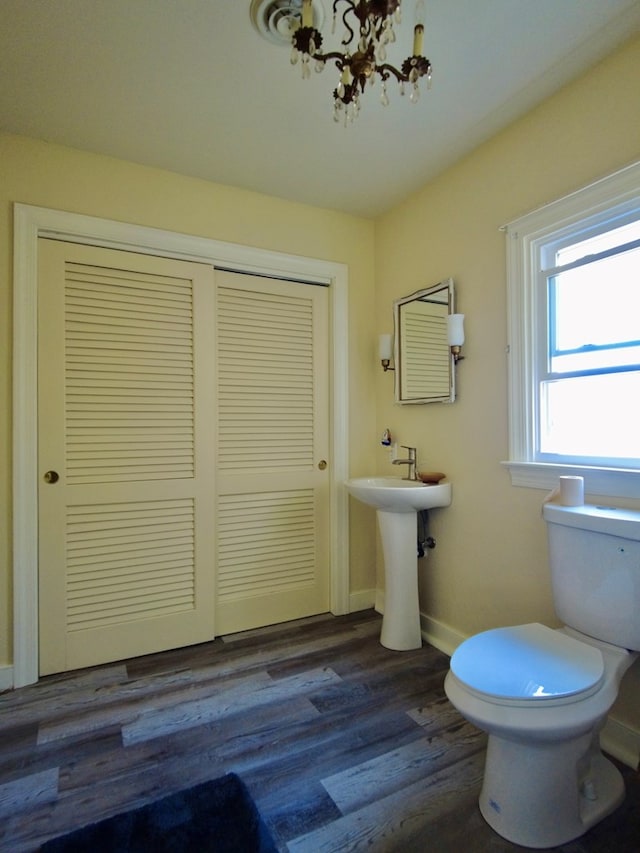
385, 347
455, 329
418, 39
307, 13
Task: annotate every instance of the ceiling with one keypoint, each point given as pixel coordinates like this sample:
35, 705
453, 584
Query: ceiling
190, 86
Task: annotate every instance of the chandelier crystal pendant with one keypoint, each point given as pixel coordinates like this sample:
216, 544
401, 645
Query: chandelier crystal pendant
369, 29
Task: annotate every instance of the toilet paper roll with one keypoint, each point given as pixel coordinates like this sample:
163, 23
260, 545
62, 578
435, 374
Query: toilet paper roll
571, 491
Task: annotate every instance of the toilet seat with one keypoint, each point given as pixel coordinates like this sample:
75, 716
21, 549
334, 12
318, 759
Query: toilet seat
528, 664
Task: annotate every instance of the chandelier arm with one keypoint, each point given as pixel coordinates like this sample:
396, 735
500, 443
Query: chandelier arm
386, 70
338, 57
350, 8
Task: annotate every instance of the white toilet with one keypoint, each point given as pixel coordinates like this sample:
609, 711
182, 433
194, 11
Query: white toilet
543, 695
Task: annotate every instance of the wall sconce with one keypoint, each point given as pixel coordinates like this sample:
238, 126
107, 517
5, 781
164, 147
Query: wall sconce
455, 335
386, 351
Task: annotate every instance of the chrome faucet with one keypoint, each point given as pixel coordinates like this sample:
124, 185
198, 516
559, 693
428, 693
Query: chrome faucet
411, 461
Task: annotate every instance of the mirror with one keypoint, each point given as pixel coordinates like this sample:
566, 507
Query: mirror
424, 371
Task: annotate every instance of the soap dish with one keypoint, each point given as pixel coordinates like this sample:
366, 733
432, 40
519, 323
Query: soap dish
431, 477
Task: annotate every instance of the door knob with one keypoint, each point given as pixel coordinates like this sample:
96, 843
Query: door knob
51, 477
322, 464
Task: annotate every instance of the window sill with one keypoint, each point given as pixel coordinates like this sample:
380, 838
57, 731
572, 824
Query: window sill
610, 482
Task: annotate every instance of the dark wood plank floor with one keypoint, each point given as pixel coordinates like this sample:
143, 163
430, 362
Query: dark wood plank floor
344, 745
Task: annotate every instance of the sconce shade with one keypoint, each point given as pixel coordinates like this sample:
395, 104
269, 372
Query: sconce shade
455, 329
385, 347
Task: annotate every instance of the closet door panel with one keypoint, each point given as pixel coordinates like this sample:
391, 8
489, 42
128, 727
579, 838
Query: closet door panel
125, 532
272, 515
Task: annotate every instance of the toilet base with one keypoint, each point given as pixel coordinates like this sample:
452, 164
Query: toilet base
543, 795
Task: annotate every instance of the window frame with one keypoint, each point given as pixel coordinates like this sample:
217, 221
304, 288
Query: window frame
560, 222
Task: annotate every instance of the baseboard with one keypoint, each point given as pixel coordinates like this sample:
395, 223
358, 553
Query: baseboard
621, 742
379, 601
362, 599
437, 634
6, 678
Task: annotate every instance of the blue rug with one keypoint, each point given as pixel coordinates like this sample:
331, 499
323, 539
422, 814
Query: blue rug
218, 816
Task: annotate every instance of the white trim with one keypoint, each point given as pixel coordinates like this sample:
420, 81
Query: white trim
378, 604
439, 635
6, 678
33, 222
362, 599
621, 741
597, 481
524, 237
25, 444
602, 193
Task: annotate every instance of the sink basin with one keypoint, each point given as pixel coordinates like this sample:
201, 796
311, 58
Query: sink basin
393, 494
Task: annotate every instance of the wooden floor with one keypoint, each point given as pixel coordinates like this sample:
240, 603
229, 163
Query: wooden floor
343, 744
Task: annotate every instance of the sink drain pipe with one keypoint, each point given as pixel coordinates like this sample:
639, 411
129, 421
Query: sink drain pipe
424, 540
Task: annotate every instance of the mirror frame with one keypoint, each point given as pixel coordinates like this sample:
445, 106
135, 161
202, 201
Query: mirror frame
419, 295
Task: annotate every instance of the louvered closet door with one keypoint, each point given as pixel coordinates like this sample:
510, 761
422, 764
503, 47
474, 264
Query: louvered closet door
125, 534
271, 451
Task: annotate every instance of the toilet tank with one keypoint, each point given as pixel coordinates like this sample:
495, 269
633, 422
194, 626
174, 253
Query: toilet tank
594, 557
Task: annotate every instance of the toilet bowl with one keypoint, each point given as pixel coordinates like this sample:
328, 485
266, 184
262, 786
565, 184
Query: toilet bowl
542, 695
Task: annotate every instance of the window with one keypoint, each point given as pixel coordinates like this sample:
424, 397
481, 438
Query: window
574, 352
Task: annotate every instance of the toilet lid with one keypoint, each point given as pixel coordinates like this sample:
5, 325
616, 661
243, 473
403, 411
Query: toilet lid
527, 662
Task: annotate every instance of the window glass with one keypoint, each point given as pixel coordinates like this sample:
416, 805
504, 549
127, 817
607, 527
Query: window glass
594, 245
593, 334
592, 416
594, 315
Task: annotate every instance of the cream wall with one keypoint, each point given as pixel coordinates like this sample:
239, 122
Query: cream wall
51, 176
489, 567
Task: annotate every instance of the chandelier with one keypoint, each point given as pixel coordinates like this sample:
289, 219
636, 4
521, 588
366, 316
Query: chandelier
362, 61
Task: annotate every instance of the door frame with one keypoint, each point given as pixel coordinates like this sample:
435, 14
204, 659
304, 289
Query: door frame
31, 223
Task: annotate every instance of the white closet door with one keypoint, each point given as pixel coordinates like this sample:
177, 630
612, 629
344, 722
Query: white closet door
126, 537
272, 503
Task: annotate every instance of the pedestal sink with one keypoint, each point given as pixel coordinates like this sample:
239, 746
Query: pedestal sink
397, 503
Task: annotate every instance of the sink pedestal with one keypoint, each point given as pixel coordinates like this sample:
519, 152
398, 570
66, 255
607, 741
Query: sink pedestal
397, 503
401, 619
